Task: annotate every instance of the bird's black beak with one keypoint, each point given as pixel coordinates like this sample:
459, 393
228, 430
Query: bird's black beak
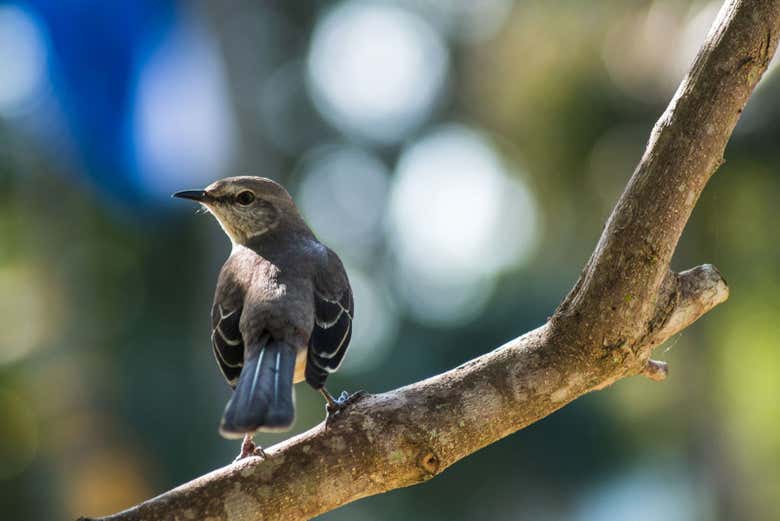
195, 195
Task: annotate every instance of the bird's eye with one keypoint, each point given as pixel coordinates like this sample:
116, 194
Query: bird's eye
246, 197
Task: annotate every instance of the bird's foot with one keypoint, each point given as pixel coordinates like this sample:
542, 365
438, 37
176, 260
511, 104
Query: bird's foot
335, 405
248, 448
344, 400
259, 452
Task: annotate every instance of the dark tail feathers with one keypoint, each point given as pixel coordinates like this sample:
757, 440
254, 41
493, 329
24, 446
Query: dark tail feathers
263, 399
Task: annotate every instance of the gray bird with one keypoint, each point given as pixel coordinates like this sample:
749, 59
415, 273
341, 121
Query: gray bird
282, 309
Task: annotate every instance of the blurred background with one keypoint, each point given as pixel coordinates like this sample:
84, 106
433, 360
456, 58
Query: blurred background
461, 156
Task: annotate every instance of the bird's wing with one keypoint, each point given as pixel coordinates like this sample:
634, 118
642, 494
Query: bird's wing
333, 312
226, 339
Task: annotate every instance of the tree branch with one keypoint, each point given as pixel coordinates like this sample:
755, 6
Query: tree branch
626, 302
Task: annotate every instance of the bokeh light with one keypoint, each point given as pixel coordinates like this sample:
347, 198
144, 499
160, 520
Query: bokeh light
375, 69
457, 218
343, 191
649, 51
183, 125
23, 55
662, 492
104, 478
442, 303
699, 21
33, 312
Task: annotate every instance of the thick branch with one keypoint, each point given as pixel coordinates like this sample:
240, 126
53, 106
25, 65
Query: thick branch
626, 302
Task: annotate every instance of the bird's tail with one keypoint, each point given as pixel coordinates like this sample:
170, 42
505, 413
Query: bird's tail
263, 399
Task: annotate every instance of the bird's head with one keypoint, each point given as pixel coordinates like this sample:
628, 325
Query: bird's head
246, 206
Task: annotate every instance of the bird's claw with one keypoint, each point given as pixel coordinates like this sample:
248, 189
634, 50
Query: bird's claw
248, 448
259, 452
344, 400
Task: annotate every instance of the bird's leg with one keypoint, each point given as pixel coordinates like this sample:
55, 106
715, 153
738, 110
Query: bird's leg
331, 404
335, 405
248, 448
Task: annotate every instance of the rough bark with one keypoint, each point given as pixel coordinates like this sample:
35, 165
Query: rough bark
626, 302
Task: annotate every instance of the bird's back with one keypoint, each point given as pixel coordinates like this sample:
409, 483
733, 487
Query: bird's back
273, 299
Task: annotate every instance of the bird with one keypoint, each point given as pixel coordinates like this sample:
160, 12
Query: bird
282, 311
